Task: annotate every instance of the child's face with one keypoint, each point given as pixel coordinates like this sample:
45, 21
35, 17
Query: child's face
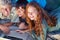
32, 13
5, 10
20, 11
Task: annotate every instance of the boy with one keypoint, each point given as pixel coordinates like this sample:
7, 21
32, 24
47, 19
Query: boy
20, 10
5, 15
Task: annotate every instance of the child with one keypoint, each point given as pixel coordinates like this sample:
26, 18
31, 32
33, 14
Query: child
5, 8
20, 10
38, 21
6, 15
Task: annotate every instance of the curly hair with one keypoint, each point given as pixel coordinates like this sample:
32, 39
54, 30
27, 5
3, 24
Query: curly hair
37, 25
5, 2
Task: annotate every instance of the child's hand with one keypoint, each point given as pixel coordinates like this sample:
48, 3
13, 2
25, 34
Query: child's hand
20, 31
5, 29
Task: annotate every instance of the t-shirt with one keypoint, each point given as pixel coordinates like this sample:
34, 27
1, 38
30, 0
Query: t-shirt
23, 20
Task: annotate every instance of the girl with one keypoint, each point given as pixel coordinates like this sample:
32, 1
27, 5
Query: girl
38, 21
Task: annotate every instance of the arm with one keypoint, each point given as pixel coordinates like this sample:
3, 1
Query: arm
7, 24
23, 31
4, 28
10, 23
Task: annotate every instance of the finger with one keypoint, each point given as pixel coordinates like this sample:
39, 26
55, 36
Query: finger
17, 30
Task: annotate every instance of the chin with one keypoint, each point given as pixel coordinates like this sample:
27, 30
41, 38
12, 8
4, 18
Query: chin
20, 15
32, 19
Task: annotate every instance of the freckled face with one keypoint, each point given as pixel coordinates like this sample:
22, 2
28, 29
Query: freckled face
32, 13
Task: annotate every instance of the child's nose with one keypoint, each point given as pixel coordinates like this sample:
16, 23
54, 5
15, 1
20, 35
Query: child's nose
6, 10
30, 13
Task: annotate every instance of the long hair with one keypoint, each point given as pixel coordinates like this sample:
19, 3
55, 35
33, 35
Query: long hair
37, 25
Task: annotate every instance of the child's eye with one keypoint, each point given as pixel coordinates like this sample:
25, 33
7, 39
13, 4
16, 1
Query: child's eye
23, 7
18, 11
6, 9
